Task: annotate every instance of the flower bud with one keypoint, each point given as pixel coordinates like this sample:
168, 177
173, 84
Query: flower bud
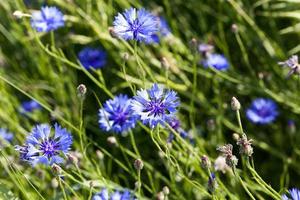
81, 90
211, 124
160, 196
54, 183
234, 28
212, 183
126, 56
205, 162
112, 141
165, 63
99, 154
166, 190
112, 32
56, 169
235, 104
73, 159
235, 136
138, 164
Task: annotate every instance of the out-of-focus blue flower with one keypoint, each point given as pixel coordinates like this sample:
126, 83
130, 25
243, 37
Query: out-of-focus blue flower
6, 135
117, 195
92, 58
217, 61
47, 19
135, 24
117, 115
44, 147
163, 30
262, 111
29, 106
155, 105
212, 183
294, 194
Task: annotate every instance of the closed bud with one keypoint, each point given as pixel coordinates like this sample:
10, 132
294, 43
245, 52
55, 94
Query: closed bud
54, 183
81, 90
112, 141
212, 183
19, 14
211, 124
235, 104
194, 43
235, 136
160, 196
112, 32
138, 164
99, 154
234, 28
73, 159
56, 169
205, 162
166, 190
137, 185
125, 56
165, 63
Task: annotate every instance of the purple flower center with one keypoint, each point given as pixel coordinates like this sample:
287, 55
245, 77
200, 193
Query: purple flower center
263, 112
119, 116
49, 147
134, 27
155, 107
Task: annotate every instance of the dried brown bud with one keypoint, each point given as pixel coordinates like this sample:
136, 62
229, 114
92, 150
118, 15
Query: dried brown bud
138, 164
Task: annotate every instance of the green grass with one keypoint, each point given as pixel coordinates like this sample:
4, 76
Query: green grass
34, 67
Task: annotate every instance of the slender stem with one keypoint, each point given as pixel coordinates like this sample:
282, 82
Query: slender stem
243, 184
134, 144
62, 188
238, 116
139, 182
139, 64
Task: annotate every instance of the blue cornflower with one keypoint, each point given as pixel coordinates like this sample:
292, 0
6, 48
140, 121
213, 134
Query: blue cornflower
117, 115
217, 61
29, 106
92, 58
6, 135
116, 195
44, 147
47, 19
262, 111
294, 195
135, 24
155, 105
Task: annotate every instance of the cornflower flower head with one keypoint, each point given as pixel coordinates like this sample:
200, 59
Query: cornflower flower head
92, 58
6, 135
294, 194
262, 111
117, 115
226, 151
245, 145
135, 24
29, 106
155, 105
116, 195
45, 147
216, 61
47, 19
293, 64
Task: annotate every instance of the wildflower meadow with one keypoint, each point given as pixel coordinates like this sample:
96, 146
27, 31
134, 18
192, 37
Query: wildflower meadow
157, 99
